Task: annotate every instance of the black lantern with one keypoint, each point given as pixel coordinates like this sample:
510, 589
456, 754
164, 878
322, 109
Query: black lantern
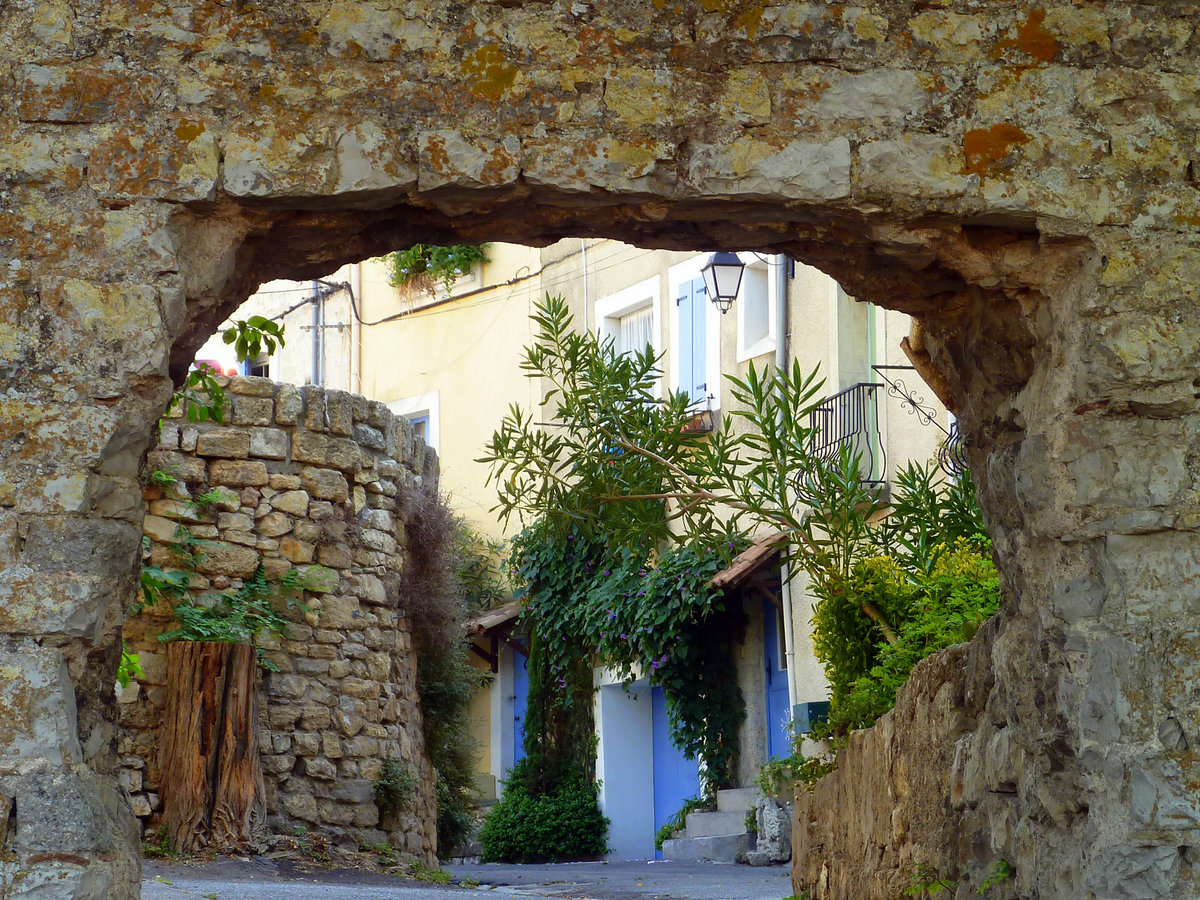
722, 278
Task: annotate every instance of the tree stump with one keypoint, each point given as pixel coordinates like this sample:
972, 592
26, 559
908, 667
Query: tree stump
212, 789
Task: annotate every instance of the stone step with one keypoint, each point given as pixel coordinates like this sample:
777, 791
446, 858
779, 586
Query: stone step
737, 799
719, 849
715, 824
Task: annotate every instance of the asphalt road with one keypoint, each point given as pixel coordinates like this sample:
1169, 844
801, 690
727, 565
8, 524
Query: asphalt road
635, 880
261, 879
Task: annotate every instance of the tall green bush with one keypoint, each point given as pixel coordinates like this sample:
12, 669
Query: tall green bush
437, 600
564, 823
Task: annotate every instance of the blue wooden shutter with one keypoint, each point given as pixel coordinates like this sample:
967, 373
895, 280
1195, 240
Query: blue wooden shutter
691, 346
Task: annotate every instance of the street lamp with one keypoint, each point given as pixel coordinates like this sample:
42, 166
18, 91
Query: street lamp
722, 278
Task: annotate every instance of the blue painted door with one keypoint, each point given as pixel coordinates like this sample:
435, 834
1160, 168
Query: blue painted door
778, 708
691, 345
676, 778
520, 703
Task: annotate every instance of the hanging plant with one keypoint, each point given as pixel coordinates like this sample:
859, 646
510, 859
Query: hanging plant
440, 265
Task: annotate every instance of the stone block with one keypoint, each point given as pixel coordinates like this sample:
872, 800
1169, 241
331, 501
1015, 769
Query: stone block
234, 522
307, 744
253, 410
309, 446
360, 688
181, 467
281, 482
160, 529
274, 524
355, 790
225, 443
269, 443
335, 556
289, 404
370, 589
278, 764
331, 745
300, 806
295, 551
251, 386
335, 813
371, 438
339, 406
323, 484
292, 502
238, 473
343, 454
315, 416
339, 612
227, 559
317, 667
282, 717
320, 768
315, 717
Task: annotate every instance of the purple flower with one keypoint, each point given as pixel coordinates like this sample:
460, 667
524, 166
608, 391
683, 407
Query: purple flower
611, 614
623, 635
607, 572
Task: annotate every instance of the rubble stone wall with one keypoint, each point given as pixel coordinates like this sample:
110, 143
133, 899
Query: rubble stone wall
298, 477
895, 810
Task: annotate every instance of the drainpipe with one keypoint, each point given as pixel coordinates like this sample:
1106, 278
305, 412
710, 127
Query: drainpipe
587, 326
316, 334
356, 351
781, 362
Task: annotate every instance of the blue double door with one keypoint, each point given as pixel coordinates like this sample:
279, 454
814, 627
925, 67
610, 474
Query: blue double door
676, 777
779, 710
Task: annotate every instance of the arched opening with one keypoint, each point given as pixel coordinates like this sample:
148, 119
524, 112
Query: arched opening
1018, 180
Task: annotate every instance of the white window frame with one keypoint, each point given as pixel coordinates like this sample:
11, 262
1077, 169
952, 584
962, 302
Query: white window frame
643, 295
768, 343
677, 276
421, 405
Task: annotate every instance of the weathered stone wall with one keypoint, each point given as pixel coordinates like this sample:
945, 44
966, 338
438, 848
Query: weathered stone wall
894, 812
1021, 176
304, 476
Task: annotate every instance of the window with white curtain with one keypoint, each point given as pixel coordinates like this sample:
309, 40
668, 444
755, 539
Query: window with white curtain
635, 331
630, 317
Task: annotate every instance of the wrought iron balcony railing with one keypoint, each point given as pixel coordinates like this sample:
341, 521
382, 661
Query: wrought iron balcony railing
951, 454
850, 419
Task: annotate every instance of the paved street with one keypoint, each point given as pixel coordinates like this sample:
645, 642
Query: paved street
636, 880
260, 879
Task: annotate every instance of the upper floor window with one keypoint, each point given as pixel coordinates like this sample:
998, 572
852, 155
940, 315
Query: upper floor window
630, 317
756, 308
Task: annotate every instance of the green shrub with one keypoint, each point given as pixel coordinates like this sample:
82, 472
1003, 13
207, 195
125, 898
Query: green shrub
678, 821
943, 608
562, 825
395, 787
779, 778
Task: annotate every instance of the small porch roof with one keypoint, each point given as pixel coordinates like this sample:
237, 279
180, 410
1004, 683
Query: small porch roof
760, 555
492, 619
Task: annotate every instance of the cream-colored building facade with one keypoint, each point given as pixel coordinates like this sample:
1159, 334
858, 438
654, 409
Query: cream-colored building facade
451, 362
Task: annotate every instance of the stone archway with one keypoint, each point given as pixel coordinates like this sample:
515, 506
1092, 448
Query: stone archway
1020, 176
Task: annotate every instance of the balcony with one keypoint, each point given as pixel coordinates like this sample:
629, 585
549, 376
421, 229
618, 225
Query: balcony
850, 419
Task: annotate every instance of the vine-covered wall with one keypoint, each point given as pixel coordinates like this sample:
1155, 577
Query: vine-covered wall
298, 477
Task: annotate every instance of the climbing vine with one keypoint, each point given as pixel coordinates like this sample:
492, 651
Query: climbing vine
643, 614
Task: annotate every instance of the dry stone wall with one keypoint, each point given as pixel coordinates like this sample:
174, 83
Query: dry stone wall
1021, 176
896, 811
298, 477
